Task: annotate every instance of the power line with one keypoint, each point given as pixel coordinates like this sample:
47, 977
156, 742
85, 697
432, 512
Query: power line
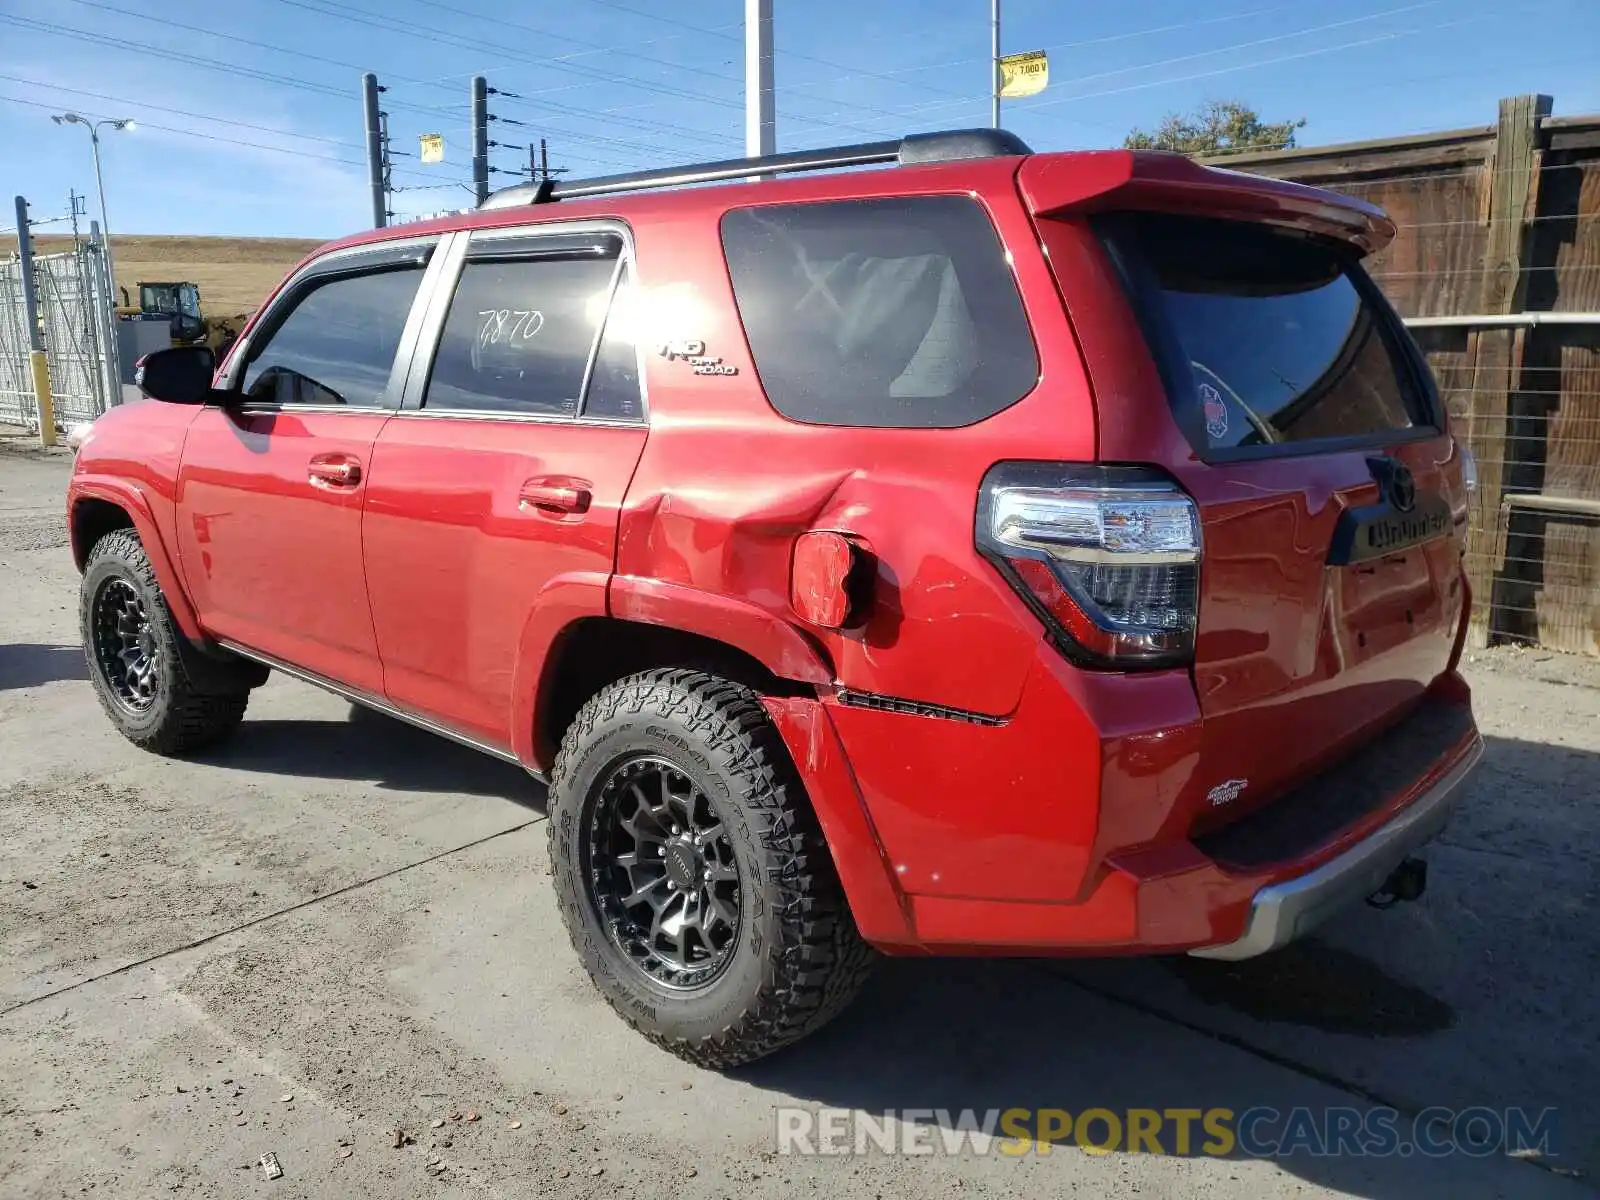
125, 102
189, 27
593, 48
1095, 41
1158, 63
1391, 36
174, 55
360, 16
210, 137
576, 54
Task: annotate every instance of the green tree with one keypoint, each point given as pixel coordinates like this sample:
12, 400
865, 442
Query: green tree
1216, 127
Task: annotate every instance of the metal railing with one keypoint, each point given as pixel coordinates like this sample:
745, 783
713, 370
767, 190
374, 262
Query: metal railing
77, 325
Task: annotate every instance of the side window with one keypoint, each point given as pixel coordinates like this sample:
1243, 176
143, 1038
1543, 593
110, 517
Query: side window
614, 385
337, 344
898, 313
519, 334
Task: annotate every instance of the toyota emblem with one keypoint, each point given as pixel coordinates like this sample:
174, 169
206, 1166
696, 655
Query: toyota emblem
1402, 488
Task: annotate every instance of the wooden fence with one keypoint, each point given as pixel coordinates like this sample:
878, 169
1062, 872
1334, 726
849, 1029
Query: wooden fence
1497, 270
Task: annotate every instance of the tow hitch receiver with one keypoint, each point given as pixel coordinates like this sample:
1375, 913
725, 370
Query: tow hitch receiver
1406, 882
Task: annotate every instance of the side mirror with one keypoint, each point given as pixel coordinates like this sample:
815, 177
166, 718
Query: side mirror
179, 375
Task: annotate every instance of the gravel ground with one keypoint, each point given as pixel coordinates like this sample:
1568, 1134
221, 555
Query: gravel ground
336, 927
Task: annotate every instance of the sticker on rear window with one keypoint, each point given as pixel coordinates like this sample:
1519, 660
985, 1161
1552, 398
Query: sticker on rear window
1216, 412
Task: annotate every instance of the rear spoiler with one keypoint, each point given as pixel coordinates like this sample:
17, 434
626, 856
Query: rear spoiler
1055, 185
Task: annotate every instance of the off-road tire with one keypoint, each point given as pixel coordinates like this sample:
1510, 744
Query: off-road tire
197, 702
798, 959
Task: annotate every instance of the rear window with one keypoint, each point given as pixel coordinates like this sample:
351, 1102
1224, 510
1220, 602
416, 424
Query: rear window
899, 312
1266, 336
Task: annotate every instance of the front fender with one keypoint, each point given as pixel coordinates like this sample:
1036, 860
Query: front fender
130, 498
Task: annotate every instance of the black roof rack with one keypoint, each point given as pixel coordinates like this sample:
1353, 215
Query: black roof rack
907, 151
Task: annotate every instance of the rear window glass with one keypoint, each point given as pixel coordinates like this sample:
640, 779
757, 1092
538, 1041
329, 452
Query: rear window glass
898, 312
1265, 336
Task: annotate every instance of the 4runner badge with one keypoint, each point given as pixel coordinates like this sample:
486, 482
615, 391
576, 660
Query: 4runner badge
1226, 793
693, 352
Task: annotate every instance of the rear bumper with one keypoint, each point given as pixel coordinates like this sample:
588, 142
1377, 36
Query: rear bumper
1068, 828
1281, 912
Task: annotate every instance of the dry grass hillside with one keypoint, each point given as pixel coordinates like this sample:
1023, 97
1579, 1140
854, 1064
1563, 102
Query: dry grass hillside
234, 274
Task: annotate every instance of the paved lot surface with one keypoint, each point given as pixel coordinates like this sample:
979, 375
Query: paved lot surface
337, 926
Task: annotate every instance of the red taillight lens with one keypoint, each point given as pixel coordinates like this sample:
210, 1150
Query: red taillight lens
1108, 556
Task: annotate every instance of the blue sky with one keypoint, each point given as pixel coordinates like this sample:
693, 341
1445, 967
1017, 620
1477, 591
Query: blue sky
250, 112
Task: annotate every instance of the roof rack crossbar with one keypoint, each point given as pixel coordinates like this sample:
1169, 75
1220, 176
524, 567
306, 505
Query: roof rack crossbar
915, 148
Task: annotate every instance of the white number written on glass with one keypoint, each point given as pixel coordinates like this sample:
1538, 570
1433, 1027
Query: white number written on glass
504, 326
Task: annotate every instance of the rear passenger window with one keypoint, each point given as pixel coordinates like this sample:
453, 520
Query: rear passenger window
519, 335
614, 386
337, 344
899, 312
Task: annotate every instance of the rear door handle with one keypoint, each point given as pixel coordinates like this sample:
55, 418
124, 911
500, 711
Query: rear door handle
334, 470
556, 495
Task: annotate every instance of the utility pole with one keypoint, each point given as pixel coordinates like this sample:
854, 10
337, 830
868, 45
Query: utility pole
760, 123
38, 365
994, 63
375, 150
387, 160
78, 206
30, 294
480, 138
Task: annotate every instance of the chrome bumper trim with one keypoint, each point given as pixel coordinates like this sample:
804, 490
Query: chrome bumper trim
1284, 911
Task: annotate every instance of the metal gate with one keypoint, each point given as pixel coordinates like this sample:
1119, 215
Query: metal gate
75, 315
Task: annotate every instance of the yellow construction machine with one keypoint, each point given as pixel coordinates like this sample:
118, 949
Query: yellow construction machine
178, 304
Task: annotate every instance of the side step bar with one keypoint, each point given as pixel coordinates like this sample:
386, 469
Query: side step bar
377, 704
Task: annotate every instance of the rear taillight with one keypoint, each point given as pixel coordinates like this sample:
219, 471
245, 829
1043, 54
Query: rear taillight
1107, 556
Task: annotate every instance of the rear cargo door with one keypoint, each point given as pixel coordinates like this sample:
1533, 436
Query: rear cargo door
1331, 584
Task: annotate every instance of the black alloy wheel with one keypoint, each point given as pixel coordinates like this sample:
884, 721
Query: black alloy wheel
125, 645
662, 873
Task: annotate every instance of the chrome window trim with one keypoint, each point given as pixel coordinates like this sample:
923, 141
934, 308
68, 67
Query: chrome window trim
264, 409
445, 414
457, 254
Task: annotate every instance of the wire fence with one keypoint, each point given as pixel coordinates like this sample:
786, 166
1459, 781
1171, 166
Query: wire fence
1524, 396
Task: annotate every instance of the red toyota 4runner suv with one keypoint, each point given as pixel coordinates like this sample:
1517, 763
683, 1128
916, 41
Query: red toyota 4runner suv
998, 553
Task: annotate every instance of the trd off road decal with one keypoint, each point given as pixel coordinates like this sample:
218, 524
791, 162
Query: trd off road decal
693, 352
1226, 793
1216, 412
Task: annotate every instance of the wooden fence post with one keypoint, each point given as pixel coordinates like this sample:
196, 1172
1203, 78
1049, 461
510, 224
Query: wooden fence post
1513, 194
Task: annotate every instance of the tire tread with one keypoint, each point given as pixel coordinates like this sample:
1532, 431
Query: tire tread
194, 717
819, 962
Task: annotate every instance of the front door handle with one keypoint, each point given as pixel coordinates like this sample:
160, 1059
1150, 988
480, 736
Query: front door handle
556, 496
334, 471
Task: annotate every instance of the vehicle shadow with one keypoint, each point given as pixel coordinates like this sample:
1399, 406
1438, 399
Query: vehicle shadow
372, 746
28, 664
1460, 1000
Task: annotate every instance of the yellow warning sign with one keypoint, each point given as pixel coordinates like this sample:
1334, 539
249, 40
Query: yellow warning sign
433, 147
1024, 74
